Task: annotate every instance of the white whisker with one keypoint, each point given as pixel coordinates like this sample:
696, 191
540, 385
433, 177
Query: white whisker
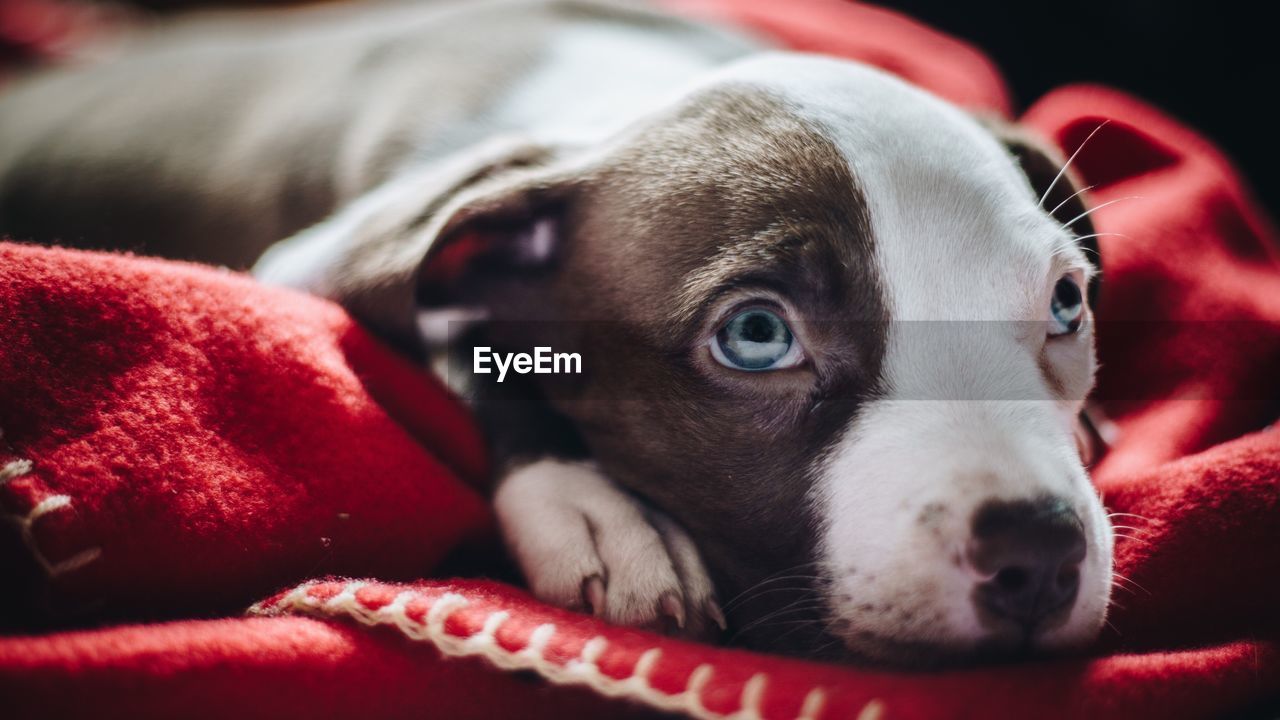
1126, 588
1067, 164
1071, 197
799, 606
1067, 225
1074, 242
761, 593
1128, 527
1134, 583
1132, 515
1101, 234
779, 576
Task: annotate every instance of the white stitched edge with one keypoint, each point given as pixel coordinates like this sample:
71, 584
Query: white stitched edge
47, 505
873, 710
15, 469
814, 702
582, 670
75, 562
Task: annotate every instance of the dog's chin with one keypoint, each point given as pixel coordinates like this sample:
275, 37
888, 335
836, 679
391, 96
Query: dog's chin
998, 648
881, 652
826, 636
841, 642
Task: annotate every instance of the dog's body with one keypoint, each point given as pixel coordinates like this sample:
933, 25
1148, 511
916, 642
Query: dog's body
255, 126
762, 258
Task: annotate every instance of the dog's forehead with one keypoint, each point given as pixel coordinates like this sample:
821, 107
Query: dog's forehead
945, 199
728, 182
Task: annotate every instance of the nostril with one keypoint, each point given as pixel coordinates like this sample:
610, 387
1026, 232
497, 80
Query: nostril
1069, 576
1012, 579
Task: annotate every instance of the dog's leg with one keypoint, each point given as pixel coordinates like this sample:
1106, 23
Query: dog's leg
582, 542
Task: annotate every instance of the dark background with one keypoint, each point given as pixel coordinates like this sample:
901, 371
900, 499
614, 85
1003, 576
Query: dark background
1212, 65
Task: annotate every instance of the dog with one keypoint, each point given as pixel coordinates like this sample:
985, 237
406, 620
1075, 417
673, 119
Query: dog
836, 333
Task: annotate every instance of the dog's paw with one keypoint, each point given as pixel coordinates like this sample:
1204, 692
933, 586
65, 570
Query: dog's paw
585, 544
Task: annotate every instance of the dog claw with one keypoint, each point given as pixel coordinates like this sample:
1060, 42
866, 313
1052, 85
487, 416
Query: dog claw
673, 608
712, 609
593, 593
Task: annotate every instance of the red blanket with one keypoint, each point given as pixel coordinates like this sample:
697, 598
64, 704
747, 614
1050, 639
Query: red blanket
180, 442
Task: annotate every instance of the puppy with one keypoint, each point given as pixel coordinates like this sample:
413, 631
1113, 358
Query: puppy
835, 333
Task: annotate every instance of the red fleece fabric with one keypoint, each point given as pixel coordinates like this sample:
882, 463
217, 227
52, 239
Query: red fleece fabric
197, 440
179, 440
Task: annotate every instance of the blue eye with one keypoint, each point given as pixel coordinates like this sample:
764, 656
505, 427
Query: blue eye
1067, 307
755, 340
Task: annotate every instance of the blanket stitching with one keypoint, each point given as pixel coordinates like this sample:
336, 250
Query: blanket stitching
15, 469
582, 670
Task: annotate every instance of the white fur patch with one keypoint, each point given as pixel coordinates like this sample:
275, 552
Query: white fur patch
565, 523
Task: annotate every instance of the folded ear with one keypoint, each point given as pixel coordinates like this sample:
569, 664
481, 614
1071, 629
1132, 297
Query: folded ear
437, 236
1060, 190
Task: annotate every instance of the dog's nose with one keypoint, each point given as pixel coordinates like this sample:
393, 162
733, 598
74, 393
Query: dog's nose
1030, 552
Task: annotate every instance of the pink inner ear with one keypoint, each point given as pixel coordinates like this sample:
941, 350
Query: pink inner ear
532, 245
535, 244
450, 262
1117, 152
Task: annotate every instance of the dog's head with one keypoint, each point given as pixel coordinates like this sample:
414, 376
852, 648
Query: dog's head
831, 325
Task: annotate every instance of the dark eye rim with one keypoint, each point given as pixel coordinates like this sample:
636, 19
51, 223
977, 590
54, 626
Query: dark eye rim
1072, 327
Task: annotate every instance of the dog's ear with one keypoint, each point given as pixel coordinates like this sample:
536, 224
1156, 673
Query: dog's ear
1060, 190
430, 241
